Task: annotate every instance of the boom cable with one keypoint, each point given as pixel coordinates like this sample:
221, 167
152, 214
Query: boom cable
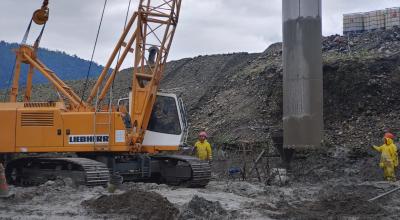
118, 56
24, 40
126, 20
119, 51
94, 49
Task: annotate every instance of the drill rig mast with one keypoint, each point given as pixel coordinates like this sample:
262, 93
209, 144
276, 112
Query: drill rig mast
156, 22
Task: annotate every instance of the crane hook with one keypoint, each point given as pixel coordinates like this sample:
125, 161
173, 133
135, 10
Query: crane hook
41, 15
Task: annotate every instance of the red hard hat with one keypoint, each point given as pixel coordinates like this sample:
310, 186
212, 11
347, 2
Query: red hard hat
203, 133
389, 135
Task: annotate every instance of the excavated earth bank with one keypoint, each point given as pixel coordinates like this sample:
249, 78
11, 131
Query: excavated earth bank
237, 99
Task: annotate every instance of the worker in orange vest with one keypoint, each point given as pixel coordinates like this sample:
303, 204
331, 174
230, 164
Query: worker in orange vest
203, 148
389, 160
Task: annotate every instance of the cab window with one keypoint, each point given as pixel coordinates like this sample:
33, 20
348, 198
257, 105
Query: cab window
164, 117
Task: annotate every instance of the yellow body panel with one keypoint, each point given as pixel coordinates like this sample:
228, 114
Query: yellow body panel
79, 124
7, 129
38, 128
52, 129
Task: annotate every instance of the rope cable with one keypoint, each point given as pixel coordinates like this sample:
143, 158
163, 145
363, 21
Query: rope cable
93, 51
119, 53
39, 38
24, 40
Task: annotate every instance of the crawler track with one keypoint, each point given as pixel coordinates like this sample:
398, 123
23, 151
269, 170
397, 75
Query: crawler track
190, 171
171, 169
38, 170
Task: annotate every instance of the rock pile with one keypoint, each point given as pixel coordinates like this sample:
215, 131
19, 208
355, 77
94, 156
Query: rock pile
137, 203
378, 41
199, 208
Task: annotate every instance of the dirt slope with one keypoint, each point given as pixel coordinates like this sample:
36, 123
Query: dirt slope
237, 97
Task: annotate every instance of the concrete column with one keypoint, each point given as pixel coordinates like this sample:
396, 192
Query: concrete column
302, 74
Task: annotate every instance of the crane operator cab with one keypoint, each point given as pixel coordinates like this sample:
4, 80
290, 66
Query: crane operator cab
167, 125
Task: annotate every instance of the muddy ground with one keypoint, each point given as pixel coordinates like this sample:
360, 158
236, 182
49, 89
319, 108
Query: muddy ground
328, 185
219, 200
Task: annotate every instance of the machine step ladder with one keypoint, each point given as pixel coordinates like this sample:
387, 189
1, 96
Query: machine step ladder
96, 125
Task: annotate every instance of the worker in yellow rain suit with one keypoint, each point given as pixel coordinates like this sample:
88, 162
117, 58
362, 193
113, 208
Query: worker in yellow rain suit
203, 148
389, 160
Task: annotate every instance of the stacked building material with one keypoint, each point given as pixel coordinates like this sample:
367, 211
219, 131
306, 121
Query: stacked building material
392, 17
372, 20
353, 22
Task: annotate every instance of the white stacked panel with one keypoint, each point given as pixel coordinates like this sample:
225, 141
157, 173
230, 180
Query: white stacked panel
392, 17
371, 20
353, 22
381, 17
366, 20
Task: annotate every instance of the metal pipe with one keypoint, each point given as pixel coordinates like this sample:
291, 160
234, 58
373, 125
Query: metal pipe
384, 194
302, 74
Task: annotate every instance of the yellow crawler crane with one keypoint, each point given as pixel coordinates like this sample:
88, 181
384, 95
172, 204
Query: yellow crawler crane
129, 142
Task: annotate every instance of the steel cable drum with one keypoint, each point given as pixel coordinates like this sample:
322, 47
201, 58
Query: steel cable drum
40, 16
302, 74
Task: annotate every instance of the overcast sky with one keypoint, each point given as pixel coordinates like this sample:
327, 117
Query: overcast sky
206, 26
